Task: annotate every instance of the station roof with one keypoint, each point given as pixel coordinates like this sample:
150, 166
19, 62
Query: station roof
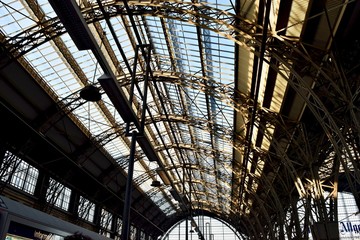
221, 93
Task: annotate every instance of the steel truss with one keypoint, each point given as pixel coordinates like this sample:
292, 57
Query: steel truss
306, 176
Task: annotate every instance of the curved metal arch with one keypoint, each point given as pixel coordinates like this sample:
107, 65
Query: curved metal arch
172, 228
264, 210
183, 11
321, 115
273, 202
213, 11
265, 216
105, 136
70, 104
64, 107
206, 206
187, 119
236, 140
192, 167
144, 177
205, 213
286, 162
190, 147
294, 178
280, 153
298, 180
259, 210
223, 92
216, 196
162, 201
223, 133
205, 193
217, 90
211, 184
227, 135
318, 110
155, 190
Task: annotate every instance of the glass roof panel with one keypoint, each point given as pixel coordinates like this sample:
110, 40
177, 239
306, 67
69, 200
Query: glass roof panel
46, 8
187, 121
50, 63
123, 40
12, 13
190, 120
220, 4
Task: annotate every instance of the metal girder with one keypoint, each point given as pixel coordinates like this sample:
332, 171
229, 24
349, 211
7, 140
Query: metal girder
293, 61
219, 130
212, 19
206, 72
99, 139
150, 174
274, 193
322, 113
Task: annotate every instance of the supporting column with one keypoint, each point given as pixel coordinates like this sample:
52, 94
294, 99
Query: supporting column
41, 187
326, 231
126, 213
187, 229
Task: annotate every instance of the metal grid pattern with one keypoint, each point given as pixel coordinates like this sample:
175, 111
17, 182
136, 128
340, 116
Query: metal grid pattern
217, 108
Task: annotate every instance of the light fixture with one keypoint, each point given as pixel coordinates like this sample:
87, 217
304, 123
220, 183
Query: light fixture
155, 183
148, 149
70, 15
120, 103
90, 93
123, 107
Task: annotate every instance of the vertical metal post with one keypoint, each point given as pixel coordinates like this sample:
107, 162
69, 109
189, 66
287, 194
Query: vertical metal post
206, 231
145, 89
203, 227
210, 230
187, 229
126, 212
132, 86
133, 76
